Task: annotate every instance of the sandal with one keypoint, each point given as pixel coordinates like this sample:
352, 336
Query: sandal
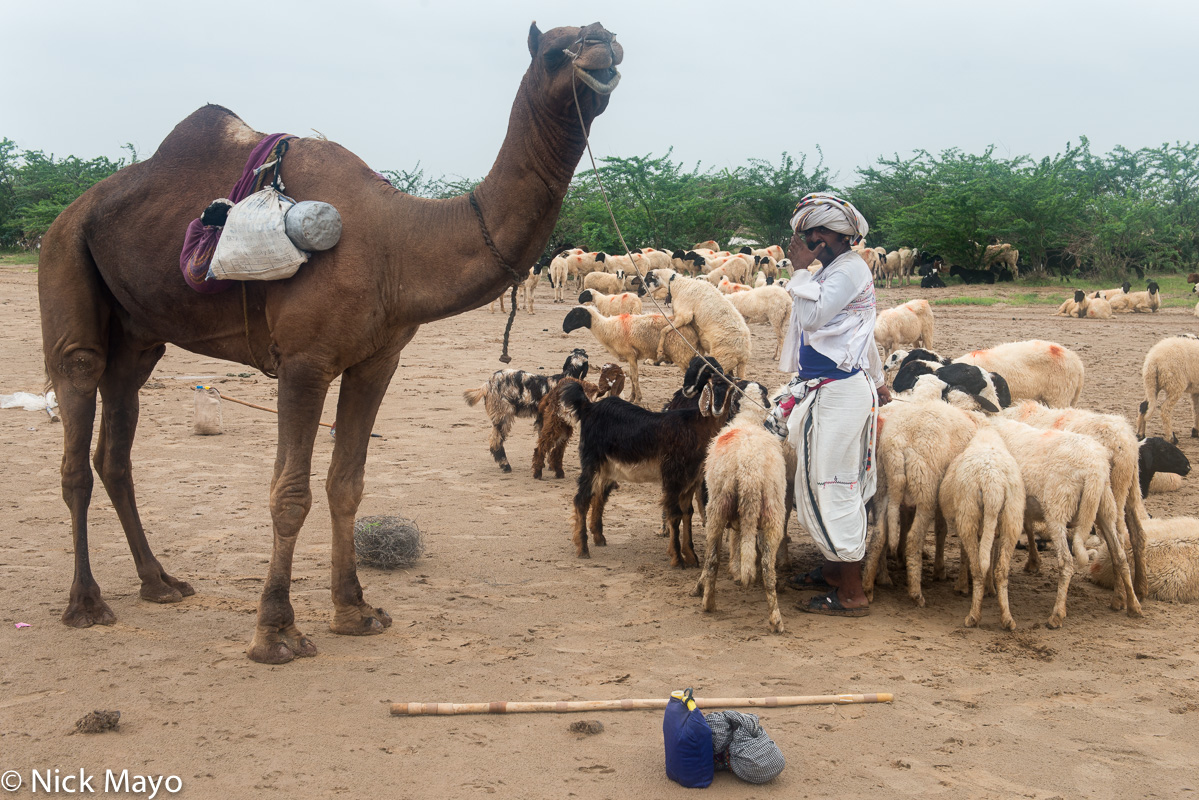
810, 581
830, 605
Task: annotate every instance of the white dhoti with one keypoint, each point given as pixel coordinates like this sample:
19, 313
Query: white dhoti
833, 429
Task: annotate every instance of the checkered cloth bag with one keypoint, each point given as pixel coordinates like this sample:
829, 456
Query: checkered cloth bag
751, 754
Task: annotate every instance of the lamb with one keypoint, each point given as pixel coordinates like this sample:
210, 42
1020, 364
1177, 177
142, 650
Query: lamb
982, 500
910, 323
722, 331
621, 441
1171, 561
1158, 459
1149, 300
555, 429
746, 477
1094, 307
512, 393
1067, 480
770, 305
916, 443
1115, 434
1171, 365
633, 337
611, 305
606, 282
1034, 370
526, 288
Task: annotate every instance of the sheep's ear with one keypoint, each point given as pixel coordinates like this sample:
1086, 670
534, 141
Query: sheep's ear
534, 38
705, 401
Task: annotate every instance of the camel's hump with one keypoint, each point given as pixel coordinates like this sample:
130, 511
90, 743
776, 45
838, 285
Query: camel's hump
204, 129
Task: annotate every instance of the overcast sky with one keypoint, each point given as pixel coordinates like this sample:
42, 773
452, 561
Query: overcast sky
721, 81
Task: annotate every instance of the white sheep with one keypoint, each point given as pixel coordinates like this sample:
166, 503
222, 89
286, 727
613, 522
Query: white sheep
768, 304
722, 331
907, 263
634, 337
1035, 370
526, 289
908, 324
1068, 308
1171, 365
1171, 560
746, 477
1067, 480
559, 272
611, 305
580, 264
1091, 307
982, 500
1116, 435
1109, 294
1149, 300
1003, 254
891, 267
606, 282
916, 442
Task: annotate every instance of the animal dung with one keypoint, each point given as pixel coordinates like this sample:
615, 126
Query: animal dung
207, 418
387, 542
586, 726
98, 722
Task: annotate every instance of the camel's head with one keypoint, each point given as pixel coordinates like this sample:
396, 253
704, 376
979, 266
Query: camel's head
585, 57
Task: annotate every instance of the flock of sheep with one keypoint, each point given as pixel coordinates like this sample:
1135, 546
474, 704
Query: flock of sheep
987, 446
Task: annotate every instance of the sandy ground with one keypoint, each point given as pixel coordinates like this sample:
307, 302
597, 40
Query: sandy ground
500, 609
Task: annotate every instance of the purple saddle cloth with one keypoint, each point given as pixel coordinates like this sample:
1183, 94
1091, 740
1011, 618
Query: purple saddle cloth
199, 243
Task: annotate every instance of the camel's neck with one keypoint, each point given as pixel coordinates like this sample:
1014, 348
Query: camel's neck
519, 199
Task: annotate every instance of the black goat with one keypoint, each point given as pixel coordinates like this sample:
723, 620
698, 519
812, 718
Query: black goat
622, 441
932, 281
972, 275
512, 393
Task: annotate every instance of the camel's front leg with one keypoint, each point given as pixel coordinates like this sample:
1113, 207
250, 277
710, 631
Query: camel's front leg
362, 390
302, 390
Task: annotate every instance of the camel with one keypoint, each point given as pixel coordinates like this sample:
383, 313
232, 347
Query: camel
112, 296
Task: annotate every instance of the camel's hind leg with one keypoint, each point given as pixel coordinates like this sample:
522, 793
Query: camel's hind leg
127, 370
362, 390
302, 390
75, 320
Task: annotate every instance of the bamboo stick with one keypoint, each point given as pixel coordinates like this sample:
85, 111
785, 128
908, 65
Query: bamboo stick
224, 396
567, 706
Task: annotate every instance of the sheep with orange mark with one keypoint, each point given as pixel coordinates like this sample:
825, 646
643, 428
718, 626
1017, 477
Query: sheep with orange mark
606, 282
728, 287
722, 331
1172, 366
1034, 370
905, 325
580, 264
611, 305
768, 304
746, 477
1091, 306
634, 337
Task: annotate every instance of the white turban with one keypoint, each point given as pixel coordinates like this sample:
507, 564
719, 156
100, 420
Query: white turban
820, 209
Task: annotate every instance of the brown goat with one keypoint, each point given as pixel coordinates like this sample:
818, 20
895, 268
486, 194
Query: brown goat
556, 429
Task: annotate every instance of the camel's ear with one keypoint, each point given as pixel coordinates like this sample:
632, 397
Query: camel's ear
534, 39
705, 401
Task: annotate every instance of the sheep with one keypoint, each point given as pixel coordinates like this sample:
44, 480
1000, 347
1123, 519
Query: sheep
619, 441
1171, 560
1158, 459
512, 393
890, 267
738, 268
910, 323
647, 258
901, 357
606, 282
768, 267
729, 287
1194, 289
1069, 307
770, 305
746, 477
772, 251
972, 275
1171, 365
688, 262
1094, 307
554, 428
932, 281
872, 259
1034, 370
982, 500
611, 305
1108, 294
1115, 434
559, 272
1002, 254
633, 337
916, 442
1149, 300
967, 378
722, 331
1067, 480
708, 245
580, 265
526, 288
907, 264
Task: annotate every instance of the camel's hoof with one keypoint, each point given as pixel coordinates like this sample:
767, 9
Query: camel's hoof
162, 588
281, 646
360, 621
88, 611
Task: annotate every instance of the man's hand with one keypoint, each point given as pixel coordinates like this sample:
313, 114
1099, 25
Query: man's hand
799, 253
884, 395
